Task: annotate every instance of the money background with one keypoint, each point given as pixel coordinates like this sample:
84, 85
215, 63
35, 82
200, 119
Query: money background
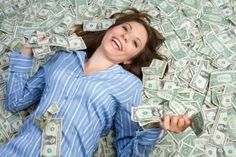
201, 50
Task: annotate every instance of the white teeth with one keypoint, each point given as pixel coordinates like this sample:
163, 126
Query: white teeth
117, 43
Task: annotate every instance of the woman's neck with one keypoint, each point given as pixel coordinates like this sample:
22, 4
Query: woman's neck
97, 62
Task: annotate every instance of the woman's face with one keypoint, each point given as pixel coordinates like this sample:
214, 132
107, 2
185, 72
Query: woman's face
123, 42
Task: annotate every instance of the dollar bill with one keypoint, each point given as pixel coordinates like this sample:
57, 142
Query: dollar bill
51, 138
198, 124
175, 47
230, 149
231, 127
167, 8
160, 66
41, 52
4, 61
198, 33
221, 62
97, 25
219, 129
200, 80
219, 78
76, 43
186, 149
145, 113
217, 46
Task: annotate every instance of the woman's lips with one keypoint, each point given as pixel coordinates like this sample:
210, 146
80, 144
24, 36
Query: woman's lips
117, 43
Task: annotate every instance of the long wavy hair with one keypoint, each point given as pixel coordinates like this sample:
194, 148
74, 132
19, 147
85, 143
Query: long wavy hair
149, 52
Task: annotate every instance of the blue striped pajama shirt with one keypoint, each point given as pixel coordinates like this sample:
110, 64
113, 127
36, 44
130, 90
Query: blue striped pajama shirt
88, 104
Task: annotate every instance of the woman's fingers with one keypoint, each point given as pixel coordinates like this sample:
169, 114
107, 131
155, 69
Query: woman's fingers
181, 123
188, 121
176, 124
166, 123
27, 50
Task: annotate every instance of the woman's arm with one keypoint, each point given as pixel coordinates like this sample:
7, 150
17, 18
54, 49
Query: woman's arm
22, 91
132, 140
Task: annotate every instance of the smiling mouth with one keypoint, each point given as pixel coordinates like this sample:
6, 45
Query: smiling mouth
118, 43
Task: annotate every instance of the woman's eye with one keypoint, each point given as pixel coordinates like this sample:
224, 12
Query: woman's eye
135, 44
125, 28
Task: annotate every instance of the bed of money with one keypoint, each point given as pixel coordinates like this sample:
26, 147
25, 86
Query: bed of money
200, 47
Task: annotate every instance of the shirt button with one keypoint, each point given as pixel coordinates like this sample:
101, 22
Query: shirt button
66, 97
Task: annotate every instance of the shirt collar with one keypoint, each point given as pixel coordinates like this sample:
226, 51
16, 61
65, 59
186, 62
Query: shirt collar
82, 55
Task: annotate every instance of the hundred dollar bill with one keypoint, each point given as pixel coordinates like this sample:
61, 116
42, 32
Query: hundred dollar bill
51, 138
97, 25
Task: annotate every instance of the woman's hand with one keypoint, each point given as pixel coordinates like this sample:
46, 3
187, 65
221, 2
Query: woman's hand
27, 50
175, 124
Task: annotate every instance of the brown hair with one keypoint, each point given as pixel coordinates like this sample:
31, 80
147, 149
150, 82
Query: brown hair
144, 58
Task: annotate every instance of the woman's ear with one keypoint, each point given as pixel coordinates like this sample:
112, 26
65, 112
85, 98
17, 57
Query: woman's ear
128, 62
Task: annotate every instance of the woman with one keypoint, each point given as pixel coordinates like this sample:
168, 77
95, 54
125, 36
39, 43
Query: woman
94, 90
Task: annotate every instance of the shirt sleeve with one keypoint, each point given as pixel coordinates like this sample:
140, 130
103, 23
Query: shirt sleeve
131, 140
22, 91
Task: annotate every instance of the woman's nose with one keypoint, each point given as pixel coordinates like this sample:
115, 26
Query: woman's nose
125, 36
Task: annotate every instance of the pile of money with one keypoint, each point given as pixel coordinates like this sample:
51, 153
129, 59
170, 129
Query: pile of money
105, 146
200, 47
